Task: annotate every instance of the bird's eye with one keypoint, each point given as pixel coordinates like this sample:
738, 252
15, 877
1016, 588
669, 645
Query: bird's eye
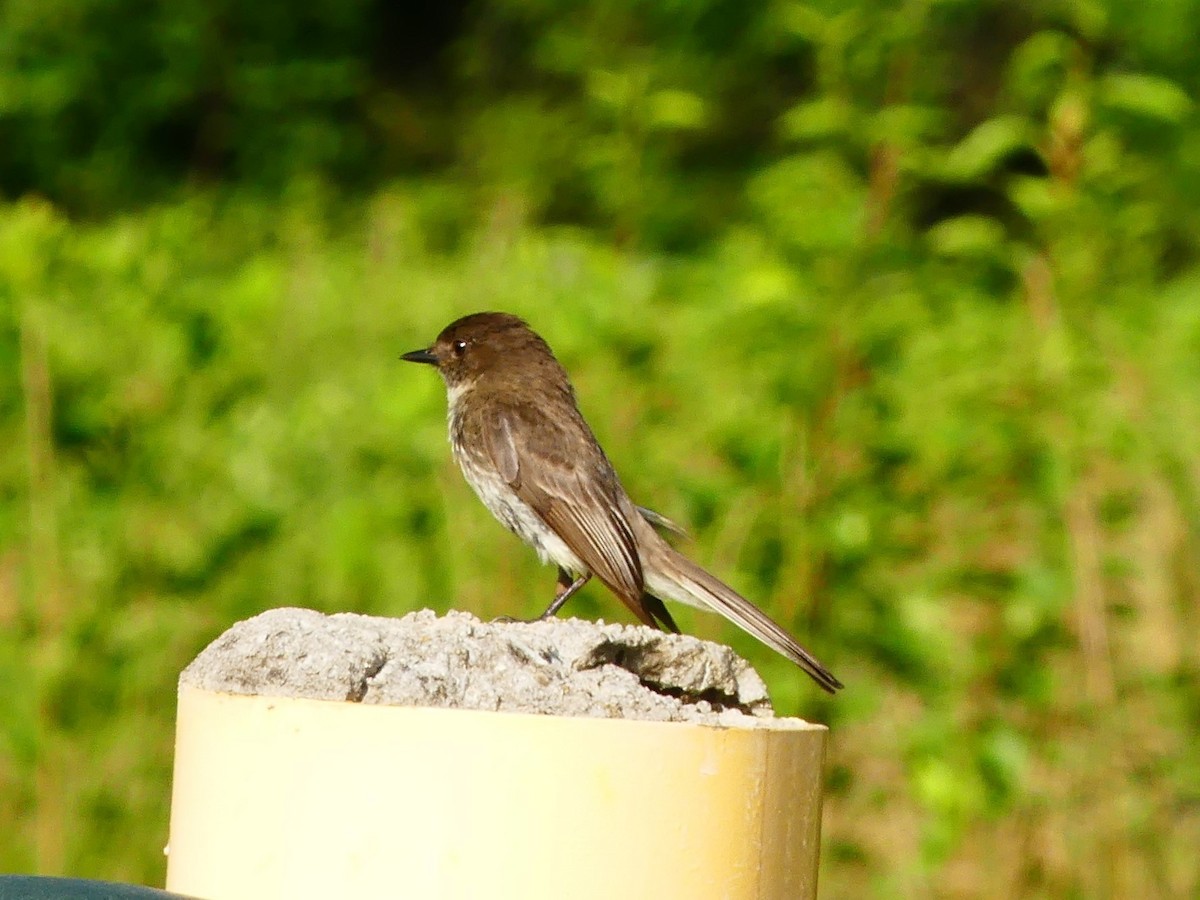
460, 347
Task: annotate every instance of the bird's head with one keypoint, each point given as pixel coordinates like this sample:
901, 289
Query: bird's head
485, 343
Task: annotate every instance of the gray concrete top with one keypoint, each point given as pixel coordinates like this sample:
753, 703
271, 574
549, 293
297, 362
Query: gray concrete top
564, 667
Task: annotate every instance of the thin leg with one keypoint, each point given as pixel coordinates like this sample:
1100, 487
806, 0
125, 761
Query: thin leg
565, 591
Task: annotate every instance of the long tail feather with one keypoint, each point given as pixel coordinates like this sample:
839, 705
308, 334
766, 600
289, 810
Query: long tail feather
675, 577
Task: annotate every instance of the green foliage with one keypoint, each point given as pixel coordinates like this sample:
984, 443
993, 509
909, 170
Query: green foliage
895, 306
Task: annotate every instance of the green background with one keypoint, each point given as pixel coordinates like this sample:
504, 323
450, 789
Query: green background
895, 305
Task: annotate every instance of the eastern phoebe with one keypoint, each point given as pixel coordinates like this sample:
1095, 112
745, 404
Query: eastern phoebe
523, 446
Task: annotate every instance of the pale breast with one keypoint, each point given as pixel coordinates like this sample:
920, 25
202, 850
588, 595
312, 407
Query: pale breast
512, 512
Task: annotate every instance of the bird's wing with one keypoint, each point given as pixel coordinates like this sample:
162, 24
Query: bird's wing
658, 520
576, 493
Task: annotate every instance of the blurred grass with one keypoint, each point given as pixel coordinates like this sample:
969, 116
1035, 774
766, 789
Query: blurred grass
896, 308
978, 507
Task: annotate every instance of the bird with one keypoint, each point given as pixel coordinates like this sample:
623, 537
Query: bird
522, 444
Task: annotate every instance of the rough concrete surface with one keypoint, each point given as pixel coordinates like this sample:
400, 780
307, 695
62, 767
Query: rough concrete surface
555, 667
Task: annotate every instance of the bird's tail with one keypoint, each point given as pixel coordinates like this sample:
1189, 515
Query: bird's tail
672, 576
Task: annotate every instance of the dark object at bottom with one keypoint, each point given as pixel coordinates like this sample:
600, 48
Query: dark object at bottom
34, 887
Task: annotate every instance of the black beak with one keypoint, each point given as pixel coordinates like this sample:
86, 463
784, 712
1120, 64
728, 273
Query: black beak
420, 356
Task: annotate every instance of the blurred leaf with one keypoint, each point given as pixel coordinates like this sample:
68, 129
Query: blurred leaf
823, 118
804, 20
1039, 67
812, 202
1037, 198
1004, 763
980, 152
677, 109
906, 125
614, 90
1145, 95
968, 236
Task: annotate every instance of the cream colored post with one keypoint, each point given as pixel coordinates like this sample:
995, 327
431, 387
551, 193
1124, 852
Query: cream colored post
284, 797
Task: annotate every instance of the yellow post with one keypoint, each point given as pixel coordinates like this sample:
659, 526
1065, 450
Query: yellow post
295, 797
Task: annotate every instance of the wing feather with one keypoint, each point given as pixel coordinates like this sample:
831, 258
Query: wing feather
575, 492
